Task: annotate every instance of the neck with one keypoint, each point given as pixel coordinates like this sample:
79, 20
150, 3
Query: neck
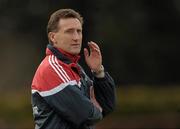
72, 58
67, 53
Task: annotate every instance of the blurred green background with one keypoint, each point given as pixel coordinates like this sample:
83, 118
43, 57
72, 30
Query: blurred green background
140, 46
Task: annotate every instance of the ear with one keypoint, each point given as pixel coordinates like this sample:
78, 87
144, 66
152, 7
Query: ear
51, 36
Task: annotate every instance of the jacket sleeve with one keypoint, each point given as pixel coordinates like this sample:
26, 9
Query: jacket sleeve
68, 101
74, 107
104, 89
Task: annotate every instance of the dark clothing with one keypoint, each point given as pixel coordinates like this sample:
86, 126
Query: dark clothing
60, 93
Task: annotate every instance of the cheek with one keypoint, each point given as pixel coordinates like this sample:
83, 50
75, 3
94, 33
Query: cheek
59, 39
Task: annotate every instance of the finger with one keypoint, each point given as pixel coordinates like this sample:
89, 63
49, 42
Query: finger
96, 52
86, 52
93, 44
91, 92
90, 46
92, 96
93, 48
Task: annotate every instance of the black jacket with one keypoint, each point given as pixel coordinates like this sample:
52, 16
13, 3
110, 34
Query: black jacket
60, 94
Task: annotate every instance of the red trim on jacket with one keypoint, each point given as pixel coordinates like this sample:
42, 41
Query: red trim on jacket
73, 58
52, 72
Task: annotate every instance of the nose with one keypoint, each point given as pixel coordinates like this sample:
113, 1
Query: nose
76, 35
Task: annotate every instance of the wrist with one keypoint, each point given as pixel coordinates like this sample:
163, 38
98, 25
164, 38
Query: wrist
100, 72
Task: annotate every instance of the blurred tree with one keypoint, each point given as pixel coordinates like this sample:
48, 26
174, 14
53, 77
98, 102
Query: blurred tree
139, 39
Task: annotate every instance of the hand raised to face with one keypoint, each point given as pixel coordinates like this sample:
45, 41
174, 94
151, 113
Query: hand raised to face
94, 57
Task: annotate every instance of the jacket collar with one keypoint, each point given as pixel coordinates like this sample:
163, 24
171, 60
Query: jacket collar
62, 55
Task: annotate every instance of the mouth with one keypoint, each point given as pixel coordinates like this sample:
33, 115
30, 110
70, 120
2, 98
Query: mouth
75, 45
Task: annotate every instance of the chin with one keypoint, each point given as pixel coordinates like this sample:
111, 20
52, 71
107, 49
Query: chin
75, 52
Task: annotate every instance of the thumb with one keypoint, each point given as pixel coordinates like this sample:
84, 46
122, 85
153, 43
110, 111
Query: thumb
86, 53
92, 96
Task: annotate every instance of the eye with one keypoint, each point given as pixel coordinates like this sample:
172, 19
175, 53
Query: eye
70, 31
79, 31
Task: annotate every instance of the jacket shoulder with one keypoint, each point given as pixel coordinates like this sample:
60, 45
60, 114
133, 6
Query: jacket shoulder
49, 74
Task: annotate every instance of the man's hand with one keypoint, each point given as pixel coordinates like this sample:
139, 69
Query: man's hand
93, 99
94, 58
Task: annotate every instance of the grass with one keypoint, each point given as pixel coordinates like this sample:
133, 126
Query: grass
141, 99
138, 106
144, 107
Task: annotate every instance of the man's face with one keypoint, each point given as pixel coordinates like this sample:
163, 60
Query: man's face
69, 36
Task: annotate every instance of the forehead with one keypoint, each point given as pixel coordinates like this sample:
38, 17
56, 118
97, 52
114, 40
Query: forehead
69, 23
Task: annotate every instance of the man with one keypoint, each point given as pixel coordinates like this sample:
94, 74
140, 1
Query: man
63, 96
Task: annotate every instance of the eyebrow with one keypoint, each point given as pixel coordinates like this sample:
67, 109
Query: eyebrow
73, 29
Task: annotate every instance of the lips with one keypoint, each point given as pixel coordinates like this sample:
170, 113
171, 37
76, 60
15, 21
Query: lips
75, 45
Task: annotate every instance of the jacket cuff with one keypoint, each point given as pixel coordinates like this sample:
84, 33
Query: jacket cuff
99, 74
